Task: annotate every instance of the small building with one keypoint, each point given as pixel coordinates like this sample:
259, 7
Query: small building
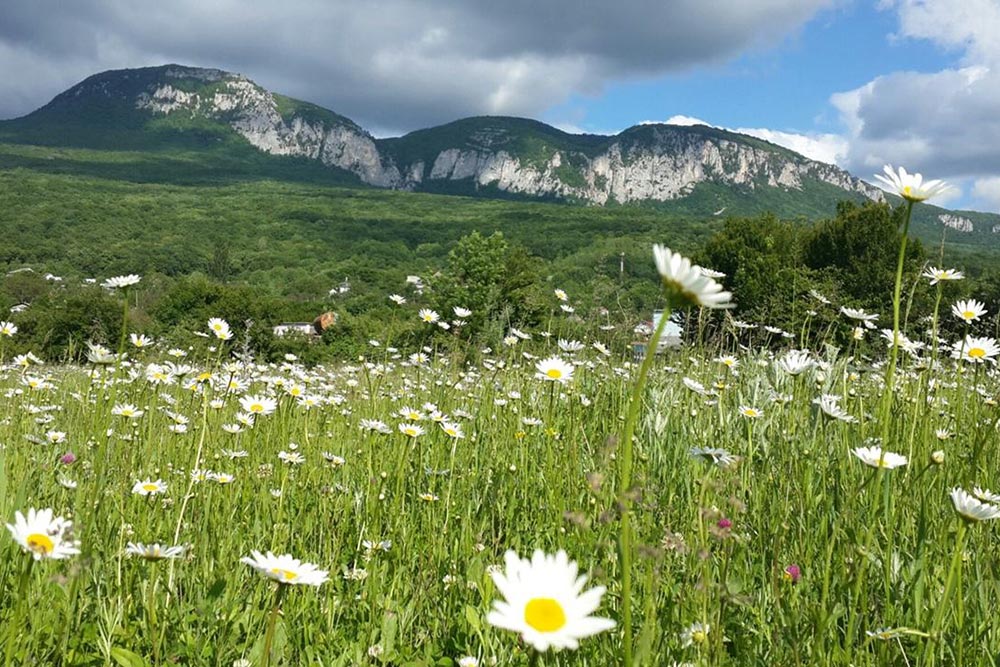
294, 329
670, 338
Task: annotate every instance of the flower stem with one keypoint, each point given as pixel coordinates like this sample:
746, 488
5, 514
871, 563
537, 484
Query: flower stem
17, 627
272, 621
625, 485
890, 373
930, 648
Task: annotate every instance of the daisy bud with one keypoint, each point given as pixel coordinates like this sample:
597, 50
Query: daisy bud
937, 457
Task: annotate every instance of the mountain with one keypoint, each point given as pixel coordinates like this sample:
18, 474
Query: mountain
695, 170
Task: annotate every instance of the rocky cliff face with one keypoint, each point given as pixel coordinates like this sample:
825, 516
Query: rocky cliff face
666, 167
956, 222
647, 163
254, 113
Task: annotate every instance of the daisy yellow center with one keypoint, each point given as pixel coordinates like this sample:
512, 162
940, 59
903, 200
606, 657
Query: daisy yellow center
968, 314
554, 373
907, 190
40, 543
698, 636
284, 575
256, 407
544, 614
450, 431
977, 353
749, 412
410, 431
150, 487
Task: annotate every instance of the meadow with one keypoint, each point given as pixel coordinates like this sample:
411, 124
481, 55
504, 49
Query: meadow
730, 495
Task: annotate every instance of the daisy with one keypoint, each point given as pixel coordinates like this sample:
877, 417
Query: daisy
220, 328
976, 350
122, 281
829, 405
876, 458
554, 369
685, 282
910, 187
750, 412
940, 275
795, 362
868, 319
970, 509
153, 551
696, 633
294, 458
543, 601
429, 316
140, 340
258, 405
561, 295
127, 410
8, 329
285, 569
222, 477
148, 487
728, 361
570, 346
452, 430
714, 455
397, 299
986, 496
461, 313
411, 430
969, 310
42, 535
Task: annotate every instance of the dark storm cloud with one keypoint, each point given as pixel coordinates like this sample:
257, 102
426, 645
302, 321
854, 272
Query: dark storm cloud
392, 64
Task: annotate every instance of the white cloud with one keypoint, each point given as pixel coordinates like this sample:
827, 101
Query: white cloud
986, 192
944, 124
822, 147
390, 64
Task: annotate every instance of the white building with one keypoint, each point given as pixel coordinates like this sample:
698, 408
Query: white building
294, 328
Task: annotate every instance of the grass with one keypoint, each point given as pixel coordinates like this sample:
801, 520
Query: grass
876, 549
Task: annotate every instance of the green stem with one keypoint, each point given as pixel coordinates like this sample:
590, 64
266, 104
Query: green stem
890, 373
17, 627
272, 621
930, 650
625, 539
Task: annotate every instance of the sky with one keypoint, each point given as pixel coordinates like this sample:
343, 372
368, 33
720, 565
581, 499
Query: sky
858, 83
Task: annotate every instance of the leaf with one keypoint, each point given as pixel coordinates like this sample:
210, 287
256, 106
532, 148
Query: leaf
472, 616
127, 658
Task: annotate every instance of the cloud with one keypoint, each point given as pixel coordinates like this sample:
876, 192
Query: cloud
822, 147
389, 64
986, 192
944, 124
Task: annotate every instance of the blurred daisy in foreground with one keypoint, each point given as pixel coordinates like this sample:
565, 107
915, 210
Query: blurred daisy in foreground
910, 187
543, 601
43, 535
970, 508
685, 282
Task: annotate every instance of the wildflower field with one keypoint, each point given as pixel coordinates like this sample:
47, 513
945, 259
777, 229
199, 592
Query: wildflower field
539, 501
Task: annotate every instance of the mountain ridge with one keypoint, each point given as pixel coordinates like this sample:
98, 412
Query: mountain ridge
695, 169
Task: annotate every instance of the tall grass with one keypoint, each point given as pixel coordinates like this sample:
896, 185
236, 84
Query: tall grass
411, 527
